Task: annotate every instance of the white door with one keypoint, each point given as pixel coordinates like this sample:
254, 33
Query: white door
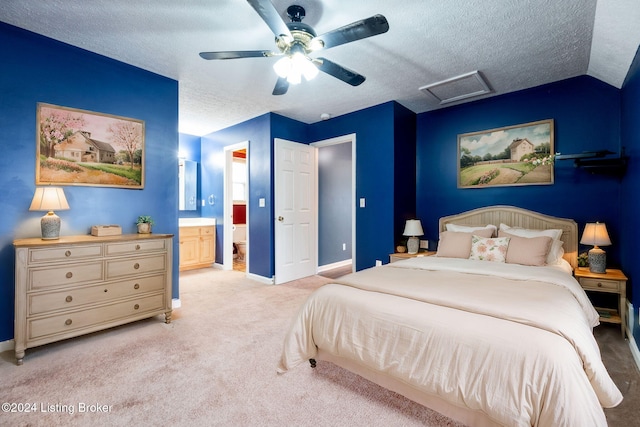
295, 211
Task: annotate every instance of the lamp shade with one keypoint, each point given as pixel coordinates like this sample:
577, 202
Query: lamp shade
413, 227
49, 199
595, 234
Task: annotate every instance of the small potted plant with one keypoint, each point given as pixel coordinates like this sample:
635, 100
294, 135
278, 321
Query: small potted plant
144, 223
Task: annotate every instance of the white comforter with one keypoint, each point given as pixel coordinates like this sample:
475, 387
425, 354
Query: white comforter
511, 341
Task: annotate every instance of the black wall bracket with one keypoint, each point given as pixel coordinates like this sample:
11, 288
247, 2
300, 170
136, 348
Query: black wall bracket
598, 162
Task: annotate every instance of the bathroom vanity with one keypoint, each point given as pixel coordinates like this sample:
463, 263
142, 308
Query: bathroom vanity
197, 237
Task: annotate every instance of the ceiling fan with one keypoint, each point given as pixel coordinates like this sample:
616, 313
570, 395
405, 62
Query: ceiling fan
296, 40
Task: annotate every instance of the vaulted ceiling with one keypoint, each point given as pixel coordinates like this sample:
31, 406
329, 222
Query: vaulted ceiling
513, 44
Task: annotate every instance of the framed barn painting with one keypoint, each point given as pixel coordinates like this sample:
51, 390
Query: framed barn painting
77, 147
513, 155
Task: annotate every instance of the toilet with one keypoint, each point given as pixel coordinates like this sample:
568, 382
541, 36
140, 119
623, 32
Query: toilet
240, 240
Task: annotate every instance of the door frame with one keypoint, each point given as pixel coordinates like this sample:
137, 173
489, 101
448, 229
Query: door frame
334, 141
227, 221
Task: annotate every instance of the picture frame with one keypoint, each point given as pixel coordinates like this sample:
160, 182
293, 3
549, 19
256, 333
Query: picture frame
85, 148
515, 155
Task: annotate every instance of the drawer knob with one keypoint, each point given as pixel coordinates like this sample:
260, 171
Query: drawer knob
69, 298
106, 290
67, 253
599, 284
69, 275
136, 286
137, 306
137, 247
136, 266
68, 322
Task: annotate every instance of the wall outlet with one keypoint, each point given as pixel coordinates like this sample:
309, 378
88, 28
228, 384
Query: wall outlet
344, 246
424, 244
362, 202
378, 263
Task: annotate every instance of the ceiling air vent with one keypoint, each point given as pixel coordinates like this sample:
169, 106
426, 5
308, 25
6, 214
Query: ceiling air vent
457, 88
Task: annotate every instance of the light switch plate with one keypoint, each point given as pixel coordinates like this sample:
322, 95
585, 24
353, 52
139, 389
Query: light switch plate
362, 202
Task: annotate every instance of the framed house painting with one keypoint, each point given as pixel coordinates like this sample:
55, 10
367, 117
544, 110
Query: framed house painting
513, 155
77, 147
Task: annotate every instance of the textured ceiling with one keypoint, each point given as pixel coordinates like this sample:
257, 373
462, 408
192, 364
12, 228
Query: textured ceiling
514, 44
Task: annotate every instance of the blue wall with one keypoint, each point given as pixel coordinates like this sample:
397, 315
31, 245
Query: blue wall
630, 204
381, 144
586, 113
37, 69
260, 133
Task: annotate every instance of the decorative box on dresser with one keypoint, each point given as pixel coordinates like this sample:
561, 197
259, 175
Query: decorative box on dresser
82, 284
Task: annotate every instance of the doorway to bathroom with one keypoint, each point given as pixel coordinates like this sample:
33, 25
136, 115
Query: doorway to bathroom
236, 208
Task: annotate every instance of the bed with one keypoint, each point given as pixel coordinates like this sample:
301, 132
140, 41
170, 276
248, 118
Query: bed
486, 342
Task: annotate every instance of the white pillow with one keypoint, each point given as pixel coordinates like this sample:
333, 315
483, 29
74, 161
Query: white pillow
555, 253
489, 249
471, 229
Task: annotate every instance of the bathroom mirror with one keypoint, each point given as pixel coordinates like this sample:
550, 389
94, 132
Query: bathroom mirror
188, 184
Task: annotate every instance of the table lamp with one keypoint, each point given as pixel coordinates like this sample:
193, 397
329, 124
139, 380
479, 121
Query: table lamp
413, 228
48, 199
596, 234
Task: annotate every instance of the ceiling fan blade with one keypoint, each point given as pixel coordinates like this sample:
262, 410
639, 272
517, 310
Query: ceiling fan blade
364, 28
235, 54
271, 17
339, 72
282, 85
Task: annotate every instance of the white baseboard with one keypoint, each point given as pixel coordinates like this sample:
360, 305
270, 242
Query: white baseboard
261, 279
331, 266
7, 345
635, 352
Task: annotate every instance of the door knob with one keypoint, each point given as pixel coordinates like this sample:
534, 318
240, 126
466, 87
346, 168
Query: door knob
280, 218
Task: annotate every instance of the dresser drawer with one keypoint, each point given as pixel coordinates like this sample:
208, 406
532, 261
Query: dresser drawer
69, 322
71, 274
135, 247
64, 253
138, 265
72, 298
596, 284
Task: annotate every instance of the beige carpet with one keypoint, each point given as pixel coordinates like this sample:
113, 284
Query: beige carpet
214, 365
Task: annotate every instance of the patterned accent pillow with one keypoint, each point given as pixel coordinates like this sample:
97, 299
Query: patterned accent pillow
489, 249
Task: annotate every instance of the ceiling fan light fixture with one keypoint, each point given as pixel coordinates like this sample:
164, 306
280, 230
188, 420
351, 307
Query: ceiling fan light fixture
304, 66
316, 44
283, 66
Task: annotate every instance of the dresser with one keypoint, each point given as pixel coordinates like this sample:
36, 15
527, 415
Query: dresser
81, 284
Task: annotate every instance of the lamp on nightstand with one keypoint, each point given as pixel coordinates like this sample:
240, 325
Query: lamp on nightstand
48, 199
596, 234
413, 228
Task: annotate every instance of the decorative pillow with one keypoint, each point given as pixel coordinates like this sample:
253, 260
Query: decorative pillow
556, 252
455, 244
489, 249
527, 250
471, 229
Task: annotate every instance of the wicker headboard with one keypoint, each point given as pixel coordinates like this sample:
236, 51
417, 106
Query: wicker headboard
518, 217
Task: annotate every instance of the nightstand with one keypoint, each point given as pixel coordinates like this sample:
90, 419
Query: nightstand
613, 282
400, 256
